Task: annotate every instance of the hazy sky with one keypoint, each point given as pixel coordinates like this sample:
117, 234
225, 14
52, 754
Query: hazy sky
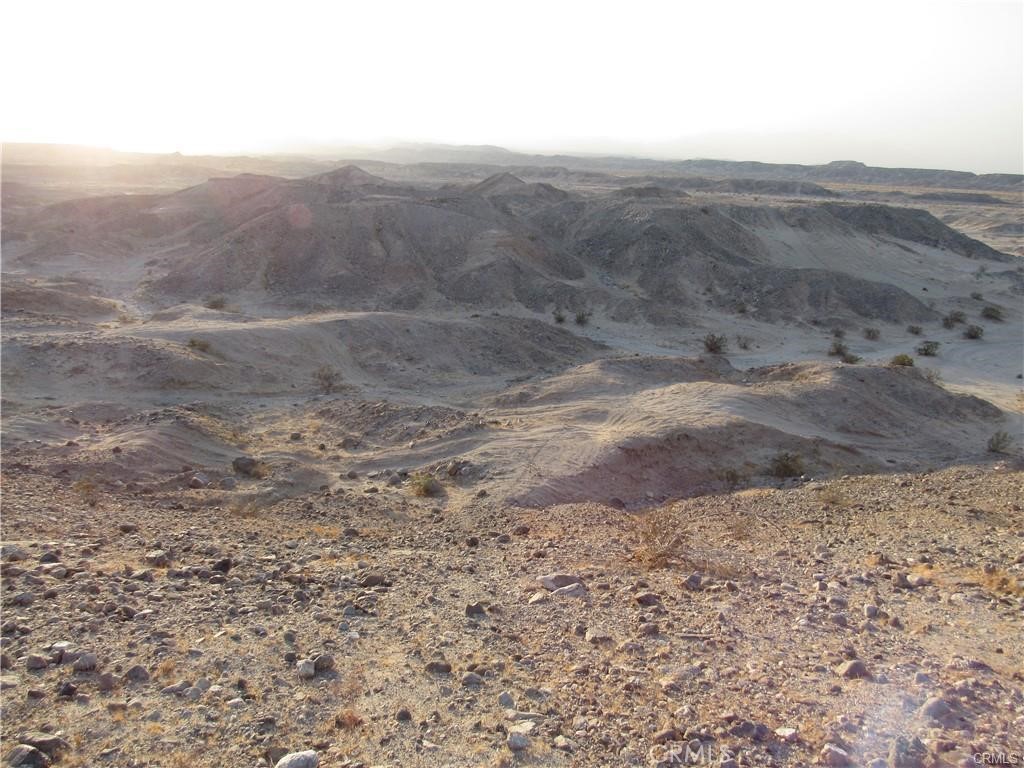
897, 83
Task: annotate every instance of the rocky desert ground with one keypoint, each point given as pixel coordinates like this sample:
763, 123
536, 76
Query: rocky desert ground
475, 459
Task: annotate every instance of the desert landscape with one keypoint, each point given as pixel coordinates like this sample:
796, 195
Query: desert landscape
456, 456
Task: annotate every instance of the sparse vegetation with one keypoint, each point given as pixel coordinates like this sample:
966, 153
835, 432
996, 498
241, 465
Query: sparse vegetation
973, 332
663, 539
559, 316
786, 464
424, 484
977, 296
954, 317
914, 330
715, 344
992, 313
932, 376
928, 348
731, 477
838, 333
1000, 442
215, 302
327, 379
200, 345
743, 342
902, 359
872, 334
582, 317
87, 490
838, 349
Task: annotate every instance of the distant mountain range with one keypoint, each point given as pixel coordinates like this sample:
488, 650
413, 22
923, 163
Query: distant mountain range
840, 171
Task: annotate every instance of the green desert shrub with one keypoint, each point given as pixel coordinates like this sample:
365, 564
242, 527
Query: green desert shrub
928, 348
914, 330
903, 360
992, 313
973, 332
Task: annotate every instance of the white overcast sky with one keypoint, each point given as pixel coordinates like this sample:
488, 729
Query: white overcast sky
935, 84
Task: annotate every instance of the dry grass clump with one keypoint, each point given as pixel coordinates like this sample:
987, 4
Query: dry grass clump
833, 496
902, 359
582, 317
424, 484
992, 313
999, 581
1000, 442
347, 719
200, 345
663, 539
87, 490
872, 334
215, 302
326, 378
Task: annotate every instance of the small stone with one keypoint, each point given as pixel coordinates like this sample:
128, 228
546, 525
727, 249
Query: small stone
35, 661
439, 667
27, 756
306, 759
648, 599
564, 744
85, 663
506, 701
786, 733
372, 579
45, 742
475, 609
854, 669
472, 679
571, 590
137, 674
403, 715
934, 708
158, 558
553, 581
517, 742
908, 752
835, 756
323, 663
597, 636
306, 669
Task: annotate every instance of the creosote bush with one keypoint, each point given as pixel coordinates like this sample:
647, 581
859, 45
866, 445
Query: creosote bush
914, 330
954, 317
786, 464
743, 342
872, 334
928, 348
1000, 442
715, 344
992, 313
973, 332
326, 379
